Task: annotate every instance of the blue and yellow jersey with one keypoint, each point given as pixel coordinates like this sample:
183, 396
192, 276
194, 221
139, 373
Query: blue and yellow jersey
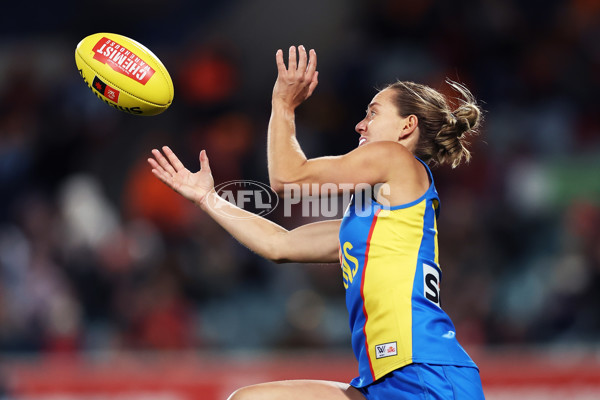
391, 272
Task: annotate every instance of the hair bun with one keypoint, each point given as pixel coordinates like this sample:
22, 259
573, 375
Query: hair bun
443, 132
467, 117
459, 125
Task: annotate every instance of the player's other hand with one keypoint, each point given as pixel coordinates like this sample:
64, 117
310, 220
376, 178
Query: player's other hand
297, 82
193, 186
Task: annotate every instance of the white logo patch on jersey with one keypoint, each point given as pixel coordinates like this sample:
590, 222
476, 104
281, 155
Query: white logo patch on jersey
431, 284
386, 350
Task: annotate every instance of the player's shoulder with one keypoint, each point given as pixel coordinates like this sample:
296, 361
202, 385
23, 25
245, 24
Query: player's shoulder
394, 163
392, 154
406, 172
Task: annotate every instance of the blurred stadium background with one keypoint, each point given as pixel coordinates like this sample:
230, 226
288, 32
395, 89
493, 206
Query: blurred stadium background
112, 287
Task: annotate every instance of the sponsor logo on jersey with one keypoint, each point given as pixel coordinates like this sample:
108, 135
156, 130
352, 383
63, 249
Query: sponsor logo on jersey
349, 264
449, 335
431, 284
386, 350
122, 60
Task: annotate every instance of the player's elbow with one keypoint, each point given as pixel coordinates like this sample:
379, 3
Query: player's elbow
286, 180
279, 256
280, 260
277, 186
276, 251
285, 187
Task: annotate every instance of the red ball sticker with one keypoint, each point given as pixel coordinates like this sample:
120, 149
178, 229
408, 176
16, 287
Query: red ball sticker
122, 60
105, 90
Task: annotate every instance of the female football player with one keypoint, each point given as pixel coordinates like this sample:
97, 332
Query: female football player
405, 344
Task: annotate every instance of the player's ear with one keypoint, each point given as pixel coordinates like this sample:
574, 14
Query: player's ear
408, 126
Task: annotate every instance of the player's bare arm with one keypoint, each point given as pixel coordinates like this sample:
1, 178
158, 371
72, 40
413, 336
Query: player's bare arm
312, 243
377, 162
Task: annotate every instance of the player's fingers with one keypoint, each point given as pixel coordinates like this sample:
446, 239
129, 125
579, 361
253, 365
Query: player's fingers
204, 165
173, 159
292, 66
279, 61
312, 64
302, 58
313, 83
154, 164
162, 161
159, 172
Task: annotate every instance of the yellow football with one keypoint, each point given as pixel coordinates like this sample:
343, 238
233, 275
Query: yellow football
124, 74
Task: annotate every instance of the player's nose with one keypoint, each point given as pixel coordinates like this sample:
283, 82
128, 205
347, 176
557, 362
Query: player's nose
361, 127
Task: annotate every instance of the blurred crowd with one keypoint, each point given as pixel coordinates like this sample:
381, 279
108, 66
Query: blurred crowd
96, 254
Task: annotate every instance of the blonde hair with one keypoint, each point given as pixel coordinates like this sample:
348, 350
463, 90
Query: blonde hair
443, 131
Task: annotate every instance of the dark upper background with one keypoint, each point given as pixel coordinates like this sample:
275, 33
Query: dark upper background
96, 254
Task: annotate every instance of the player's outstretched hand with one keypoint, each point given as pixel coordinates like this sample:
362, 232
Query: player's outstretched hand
298, 81
193, 186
